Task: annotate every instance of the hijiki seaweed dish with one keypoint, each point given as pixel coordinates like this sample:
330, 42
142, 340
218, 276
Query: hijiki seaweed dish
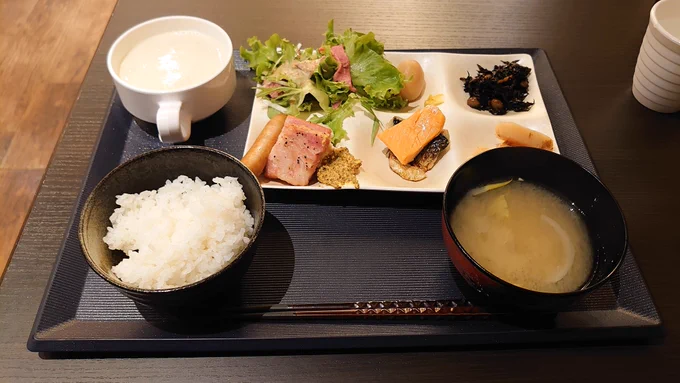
499, 90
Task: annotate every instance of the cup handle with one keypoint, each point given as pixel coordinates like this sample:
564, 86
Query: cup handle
174, 124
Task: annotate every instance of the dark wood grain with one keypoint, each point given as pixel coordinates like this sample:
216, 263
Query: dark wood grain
592, 47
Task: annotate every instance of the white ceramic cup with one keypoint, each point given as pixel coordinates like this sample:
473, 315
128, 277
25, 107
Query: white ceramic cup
656, 82
658, 69
660, 60
651, 104
644, 81
656, 79
663, 24
173, 111
649, 94
660, 48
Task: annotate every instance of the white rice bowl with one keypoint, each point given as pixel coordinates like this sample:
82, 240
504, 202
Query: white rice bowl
179, 234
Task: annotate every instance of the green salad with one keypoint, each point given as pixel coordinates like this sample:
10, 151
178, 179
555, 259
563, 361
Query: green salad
346, 70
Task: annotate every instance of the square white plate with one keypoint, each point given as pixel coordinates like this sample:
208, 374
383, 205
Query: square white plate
469, 129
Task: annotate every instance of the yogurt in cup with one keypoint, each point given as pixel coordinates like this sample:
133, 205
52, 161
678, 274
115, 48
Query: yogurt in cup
173, 71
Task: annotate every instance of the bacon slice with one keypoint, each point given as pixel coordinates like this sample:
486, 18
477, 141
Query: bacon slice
342, 74
298, 151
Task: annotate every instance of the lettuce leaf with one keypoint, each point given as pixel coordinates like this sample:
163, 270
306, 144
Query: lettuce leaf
283, 84
307, 54
337, 92
331, 38
377, 78
373, 75
327, 67
272, 112
294, 98
369, 105
265, 57
377, 81
367, 39
323, 77
335, 118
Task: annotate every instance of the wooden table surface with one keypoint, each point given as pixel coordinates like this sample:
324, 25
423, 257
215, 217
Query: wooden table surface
592, 47
46, 49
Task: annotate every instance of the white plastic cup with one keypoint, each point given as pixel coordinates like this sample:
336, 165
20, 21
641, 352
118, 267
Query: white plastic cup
173, 111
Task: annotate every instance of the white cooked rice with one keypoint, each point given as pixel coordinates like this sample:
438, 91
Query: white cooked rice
179, 234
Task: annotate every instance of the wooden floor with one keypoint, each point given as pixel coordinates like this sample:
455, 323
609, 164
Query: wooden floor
46, 46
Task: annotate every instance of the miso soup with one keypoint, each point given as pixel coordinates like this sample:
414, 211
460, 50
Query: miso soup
525, 235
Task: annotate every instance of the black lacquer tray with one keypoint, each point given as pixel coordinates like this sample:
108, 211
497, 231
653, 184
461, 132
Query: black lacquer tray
333, 270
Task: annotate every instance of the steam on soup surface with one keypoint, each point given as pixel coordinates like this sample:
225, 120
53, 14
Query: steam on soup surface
525, 235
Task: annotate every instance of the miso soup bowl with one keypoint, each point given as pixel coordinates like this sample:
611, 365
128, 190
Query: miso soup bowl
150, 171
562, 176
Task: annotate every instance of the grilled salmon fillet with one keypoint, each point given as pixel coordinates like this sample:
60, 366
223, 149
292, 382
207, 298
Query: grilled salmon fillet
408, 138
298, 151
